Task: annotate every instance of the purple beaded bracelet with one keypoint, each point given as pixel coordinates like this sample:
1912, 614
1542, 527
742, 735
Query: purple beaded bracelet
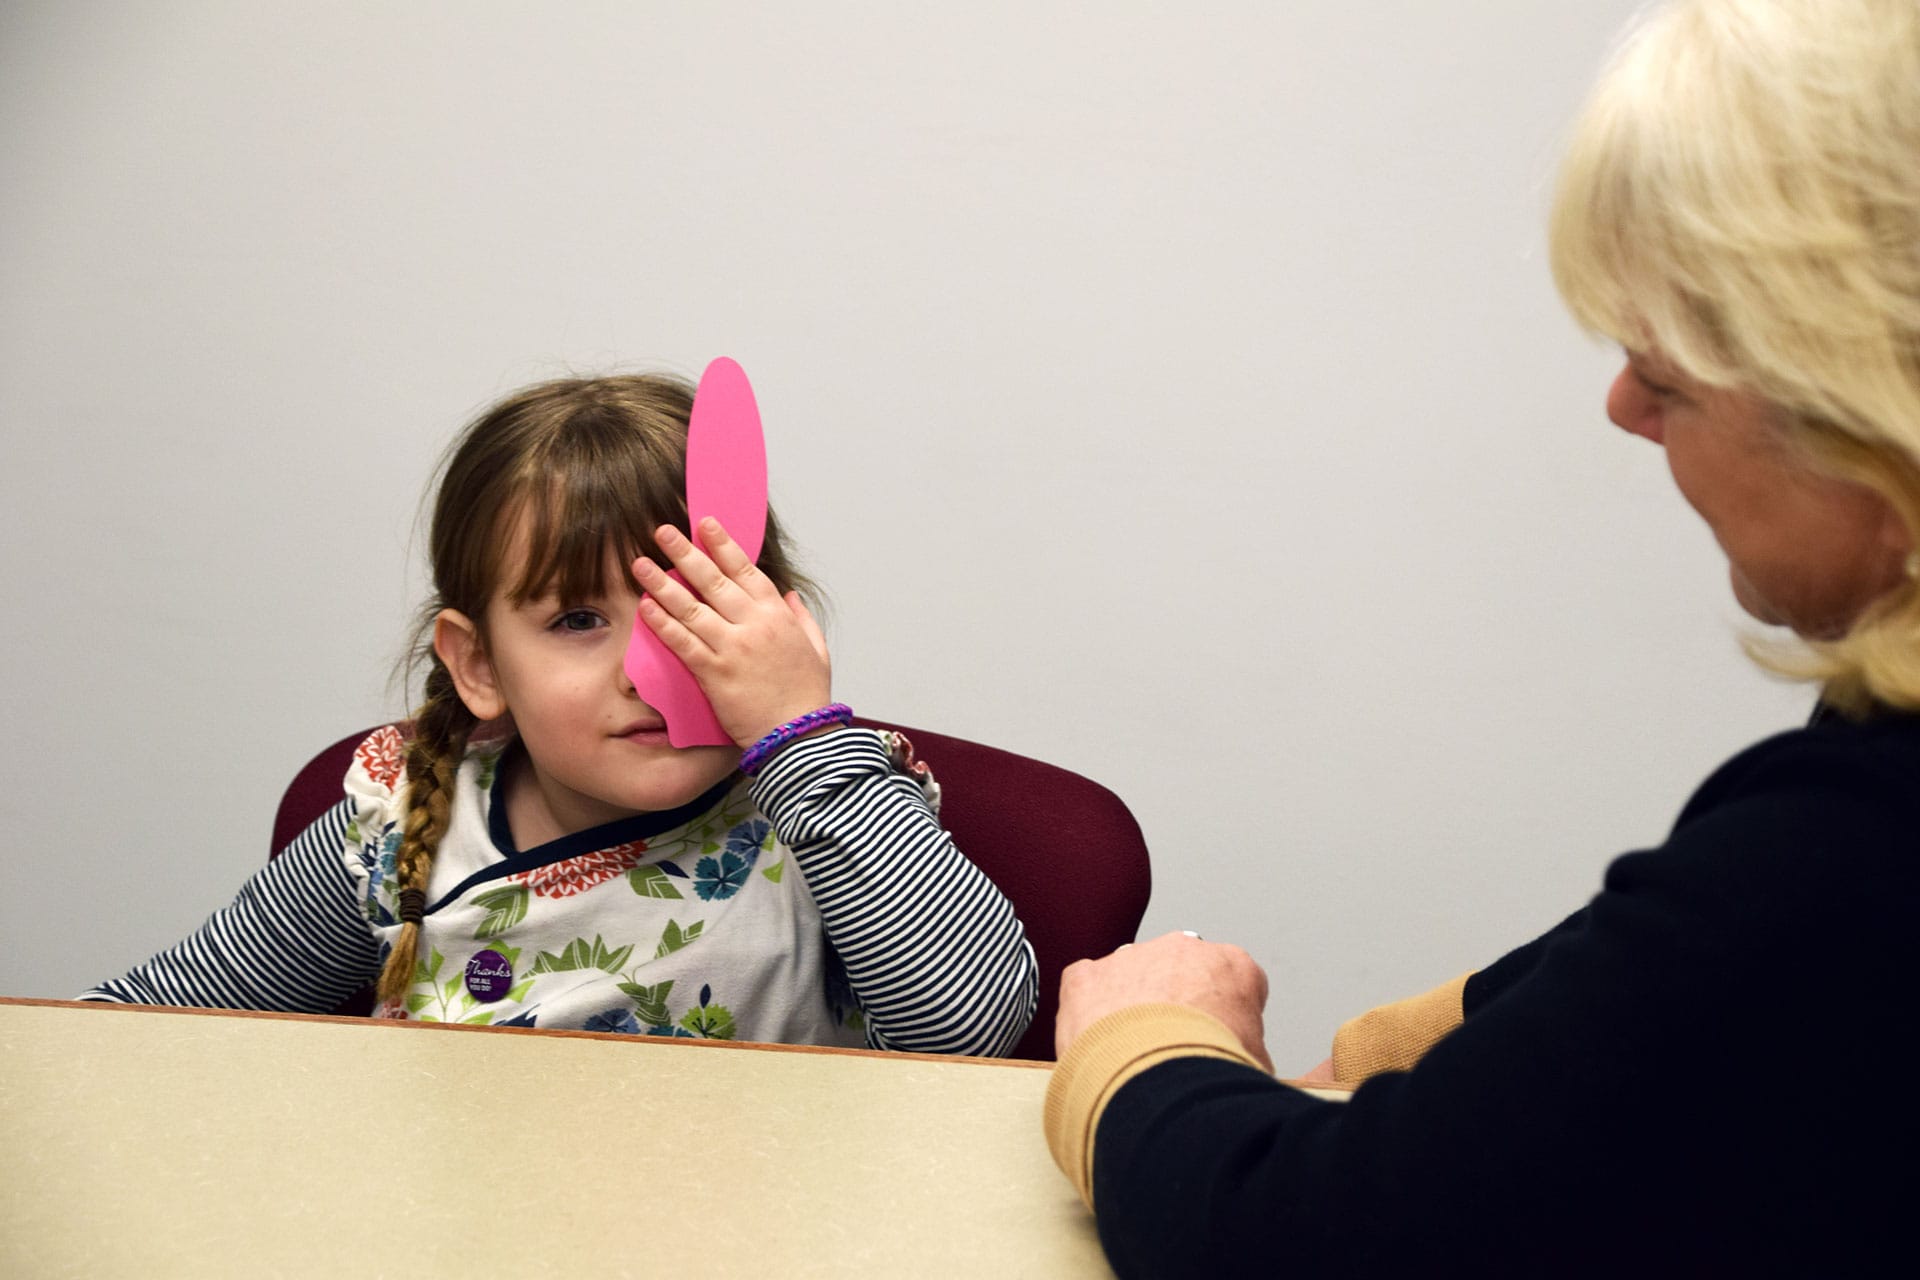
756, 755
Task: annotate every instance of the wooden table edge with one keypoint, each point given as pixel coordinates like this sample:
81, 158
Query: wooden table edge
408, 1024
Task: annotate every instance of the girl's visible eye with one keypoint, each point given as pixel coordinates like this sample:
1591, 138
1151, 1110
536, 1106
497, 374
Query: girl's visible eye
577, 620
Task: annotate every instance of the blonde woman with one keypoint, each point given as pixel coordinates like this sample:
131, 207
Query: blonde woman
1628, 1094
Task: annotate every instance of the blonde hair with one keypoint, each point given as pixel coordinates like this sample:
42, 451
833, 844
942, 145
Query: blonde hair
1742, 194
587, 468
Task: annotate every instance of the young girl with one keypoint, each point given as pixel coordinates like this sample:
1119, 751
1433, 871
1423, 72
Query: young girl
533, 852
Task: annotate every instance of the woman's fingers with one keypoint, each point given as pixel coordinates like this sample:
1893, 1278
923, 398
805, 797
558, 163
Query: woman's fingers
1177, 968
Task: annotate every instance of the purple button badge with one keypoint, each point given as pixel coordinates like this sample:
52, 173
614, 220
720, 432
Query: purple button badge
489, 976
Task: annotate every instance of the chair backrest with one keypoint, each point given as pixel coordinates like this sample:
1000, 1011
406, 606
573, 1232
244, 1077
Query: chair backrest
1064, 849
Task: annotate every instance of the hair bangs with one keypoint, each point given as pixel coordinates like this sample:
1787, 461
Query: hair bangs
588, 505
1613, 238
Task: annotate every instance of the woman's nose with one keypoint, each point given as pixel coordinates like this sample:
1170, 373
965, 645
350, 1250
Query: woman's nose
1635, 409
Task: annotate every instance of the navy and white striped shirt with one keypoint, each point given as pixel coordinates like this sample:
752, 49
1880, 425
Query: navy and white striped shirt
888, 935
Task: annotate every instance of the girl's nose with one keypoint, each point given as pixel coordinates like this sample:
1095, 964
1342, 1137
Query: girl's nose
1635, 409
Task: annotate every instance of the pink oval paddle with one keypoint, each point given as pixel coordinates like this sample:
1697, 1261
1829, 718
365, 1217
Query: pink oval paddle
726, 479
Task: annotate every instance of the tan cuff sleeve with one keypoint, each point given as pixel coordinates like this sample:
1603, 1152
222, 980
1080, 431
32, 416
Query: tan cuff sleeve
1108, 1054
1395, 1036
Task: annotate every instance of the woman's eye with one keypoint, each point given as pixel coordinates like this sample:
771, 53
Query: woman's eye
577, 620
1664, 392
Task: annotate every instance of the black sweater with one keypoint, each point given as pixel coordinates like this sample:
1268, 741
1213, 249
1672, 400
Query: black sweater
1703, 1072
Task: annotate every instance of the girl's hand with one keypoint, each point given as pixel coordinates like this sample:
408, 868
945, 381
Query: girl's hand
759, 657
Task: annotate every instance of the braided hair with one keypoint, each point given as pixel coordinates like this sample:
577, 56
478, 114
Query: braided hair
435, 745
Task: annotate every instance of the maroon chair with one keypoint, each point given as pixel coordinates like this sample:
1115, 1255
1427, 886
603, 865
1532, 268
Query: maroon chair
1065, 850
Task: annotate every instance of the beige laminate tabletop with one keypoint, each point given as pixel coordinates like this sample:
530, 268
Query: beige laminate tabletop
150, 1142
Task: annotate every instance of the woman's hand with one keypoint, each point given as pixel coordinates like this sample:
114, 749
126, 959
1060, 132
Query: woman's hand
1321, 1074
759, 657
1176, 968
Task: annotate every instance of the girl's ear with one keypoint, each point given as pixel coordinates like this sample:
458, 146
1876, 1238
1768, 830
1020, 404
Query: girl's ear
457, 642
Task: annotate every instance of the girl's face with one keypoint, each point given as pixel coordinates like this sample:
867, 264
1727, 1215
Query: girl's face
596, 753
1804, 550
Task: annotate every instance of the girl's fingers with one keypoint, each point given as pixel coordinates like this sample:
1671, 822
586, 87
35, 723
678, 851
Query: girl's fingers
699, 570
730, 558
815, 636
729, 555
680, 642
725, 611
678, 604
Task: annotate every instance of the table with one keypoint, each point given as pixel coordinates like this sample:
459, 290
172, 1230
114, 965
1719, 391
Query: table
150, 1142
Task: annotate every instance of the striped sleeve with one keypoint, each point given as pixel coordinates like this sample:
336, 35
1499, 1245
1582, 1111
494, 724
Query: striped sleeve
931, 947
293, 939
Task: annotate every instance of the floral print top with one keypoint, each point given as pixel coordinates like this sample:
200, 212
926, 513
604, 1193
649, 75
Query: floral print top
693, 922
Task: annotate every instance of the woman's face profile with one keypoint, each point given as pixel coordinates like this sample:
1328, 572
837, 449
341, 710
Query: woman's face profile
1804, 550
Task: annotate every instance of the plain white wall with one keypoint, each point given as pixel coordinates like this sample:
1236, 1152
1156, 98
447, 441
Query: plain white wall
1176, 393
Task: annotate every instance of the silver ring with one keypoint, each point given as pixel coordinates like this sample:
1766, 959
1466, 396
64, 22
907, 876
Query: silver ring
1191, 934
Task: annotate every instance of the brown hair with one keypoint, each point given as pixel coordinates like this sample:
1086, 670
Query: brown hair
589, 467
